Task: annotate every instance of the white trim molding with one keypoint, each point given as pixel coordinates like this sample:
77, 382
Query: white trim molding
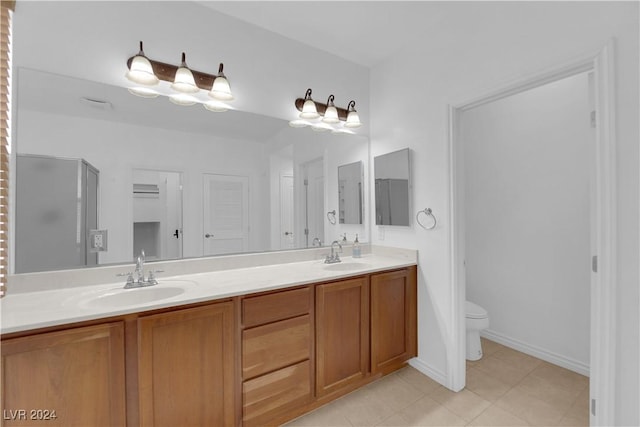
603, 283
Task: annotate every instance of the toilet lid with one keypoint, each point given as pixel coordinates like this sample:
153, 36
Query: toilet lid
474, 311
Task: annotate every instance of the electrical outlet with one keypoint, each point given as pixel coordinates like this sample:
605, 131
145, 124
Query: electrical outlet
97, 240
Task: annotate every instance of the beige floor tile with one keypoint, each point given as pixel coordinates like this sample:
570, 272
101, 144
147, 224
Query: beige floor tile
579, 411
489, 347
417, 379
574, 422
465, 403
393, 391
517, 359
561, 397
428, 412
501, 370
495, 416
328, 415
531, 409
560, 377
485, 386
396, 420
363, 410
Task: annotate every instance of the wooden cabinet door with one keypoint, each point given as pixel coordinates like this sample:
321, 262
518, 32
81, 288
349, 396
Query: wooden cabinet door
342, 334
393, 319
186, 367
67, 378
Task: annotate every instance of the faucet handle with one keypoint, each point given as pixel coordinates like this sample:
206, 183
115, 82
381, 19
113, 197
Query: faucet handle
152, 276
130, 281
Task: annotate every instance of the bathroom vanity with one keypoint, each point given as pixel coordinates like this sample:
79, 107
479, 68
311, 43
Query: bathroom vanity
242, 355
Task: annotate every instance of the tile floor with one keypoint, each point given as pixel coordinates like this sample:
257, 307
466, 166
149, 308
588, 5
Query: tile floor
504, 388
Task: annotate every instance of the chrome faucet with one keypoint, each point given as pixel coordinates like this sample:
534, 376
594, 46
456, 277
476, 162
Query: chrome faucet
140, 281
334, 257
140, 267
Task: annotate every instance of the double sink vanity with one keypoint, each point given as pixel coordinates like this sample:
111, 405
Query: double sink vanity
253, 339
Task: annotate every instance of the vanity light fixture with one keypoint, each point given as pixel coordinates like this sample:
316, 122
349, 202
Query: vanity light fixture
331, 112
141, 70
221, 89
187, 84
183, 81
331, 116
308, 109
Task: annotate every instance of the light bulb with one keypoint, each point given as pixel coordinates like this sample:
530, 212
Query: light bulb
353, 119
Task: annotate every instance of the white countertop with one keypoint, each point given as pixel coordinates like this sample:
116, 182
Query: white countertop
44, 308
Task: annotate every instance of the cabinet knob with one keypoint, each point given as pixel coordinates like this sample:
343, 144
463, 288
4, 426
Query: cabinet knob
208, 235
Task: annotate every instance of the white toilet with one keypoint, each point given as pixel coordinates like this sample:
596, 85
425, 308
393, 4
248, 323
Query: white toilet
476, 319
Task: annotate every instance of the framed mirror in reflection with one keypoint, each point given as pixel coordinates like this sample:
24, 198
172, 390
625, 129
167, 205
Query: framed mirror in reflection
392, 184
174, 181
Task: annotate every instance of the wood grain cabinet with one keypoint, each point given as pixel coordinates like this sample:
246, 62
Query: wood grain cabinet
277, 348
186, 374
74, 377
393, 319
342, 334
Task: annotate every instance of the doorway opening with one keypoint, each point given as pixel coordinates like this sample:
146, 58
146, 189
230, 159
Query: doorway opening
602, 276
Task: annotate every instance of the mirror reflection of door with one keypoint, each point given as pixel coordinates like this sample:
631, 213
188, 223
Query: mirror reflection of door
226, 214
157, 214
314, 211
286, 212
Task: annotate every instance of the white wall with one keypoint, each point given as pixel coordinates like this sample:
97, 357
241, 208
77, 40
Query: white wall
526, 173
116, 149
489, 45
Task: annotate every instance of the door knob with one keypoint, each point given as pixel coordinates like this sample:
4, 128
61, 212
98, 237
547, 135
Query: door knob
208, 235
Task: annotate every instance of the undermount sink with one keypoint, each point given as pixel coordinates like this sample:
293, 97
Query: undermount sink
346, 266
126, 297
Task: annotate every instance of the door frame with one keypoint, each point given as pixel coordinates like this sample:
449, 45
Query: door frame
604, 282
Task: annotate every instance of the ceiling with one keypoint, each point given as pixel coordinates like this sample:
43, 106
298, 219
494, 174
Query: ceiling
47, 92
364, 32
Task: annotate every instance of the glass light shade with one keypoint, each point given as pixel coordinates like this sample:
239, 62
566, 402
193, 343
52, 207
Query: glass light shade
321, 127
143, 92
217, 107
141, 72
298, 123
353, 120
331, 115
184, 81
182, 99
309, 110
221, 89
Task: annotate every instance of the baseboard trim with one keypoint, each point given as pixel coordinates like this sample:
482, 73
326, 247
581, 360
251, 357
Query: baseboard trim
431, 372
535, 351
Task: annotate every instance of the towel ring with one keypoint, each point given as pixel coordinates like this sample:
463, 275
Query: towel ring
427, 212
331, 216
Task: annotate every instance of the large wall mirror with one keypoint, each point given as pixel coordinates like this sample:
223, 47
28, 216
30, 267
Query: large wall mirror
392, 187
173, 181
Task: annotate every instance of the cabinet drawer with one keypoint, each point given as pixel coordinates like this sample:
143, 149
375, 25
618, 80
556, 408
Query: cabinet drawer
276, 345
277, 306
275, 394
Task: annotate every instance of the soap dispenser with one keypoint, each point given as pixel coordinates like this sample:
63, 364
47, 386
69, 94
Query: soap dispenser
356, 250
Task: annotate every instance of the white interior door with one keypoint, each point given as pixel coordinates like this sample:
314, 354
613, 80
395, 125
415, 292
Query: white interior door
226, 214
286, 212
